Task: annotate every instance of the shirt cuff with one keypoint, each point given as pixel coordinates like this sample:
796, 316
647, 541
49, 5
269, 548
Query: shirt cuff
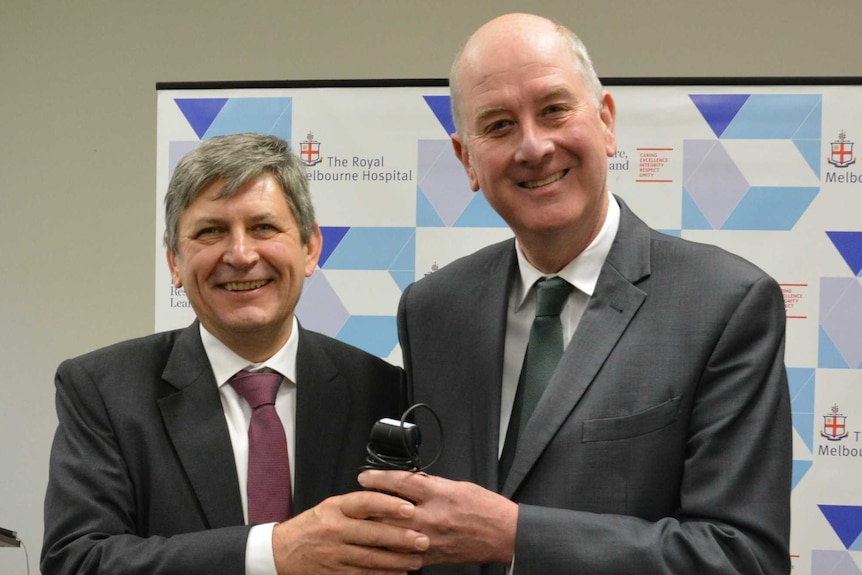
259, 558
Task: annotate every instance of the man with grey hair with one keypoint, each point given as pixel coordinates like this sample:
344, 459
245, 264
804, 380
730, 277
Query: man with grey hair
163, 461
619, 396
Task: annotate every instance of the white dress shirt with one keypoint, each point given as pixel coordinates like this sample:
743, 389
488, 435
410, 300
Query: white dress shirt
582, 272
259, 559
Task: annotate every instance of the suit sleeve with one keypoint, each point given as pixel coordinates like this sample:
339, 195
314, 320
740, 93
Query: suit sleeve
734, 505
91, 523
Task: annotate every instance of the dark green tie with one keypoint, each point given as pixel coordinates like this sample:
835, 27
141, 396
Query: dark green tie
544, 349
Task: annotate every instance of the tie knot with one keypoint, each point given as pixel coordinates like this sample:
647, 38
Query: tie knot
551, 295
257, 388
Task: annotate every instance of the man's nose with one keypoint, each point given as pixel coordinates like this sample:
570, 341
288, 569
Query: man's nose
241, 251
535, 144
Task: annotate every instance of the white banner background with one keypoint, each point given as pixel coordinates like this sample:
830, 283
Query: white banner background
749, 167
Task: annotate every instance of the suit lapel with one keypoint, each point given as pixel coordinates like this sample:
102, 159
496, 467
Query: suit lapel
322, 406
194, 419
487, 306
614, 303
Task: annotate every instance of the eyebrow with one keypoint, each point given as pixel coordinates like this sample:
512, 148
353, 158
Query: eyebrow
550, 95
264, 217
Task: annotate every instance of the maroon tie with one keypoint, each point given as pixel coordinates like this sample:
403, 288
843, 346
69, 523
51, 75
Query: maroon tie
269, 498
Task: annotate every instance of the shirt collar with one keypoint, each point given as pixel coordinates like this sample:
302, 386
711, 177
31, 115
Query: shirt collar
225, 362
583, 271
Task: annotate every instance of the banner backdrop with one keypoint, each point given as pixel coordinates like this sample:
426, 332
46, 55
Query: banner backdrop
768, 170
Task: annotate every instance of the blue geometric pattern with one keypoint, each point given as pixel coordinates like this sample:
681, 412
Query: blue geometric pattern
375, 334
833, 563
200, 112
480, 214
717, 194
219, 116
846, 521
770, 208
719, 110
762, 171
840, 343
849, 245
442, 109
374, 249
801, 384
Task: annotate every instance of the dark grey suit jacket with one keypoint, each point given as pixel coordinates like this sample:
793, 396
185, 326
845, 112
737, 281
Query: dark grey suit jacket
142, 474
663, 442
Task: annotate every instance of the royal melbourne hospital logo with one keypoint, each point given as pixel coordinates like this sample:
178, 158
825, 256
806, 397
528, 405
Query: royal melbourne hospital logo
842, 151
834, 425
309, 151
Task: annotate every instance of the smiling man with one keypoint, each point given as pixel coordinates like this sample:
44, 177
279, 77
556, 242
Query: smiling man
165, 460
649, 429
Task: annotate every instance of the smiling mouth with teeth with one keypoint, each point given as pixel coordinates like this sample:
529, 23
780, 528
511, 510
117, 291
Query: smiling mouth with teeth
245, 286
539, 183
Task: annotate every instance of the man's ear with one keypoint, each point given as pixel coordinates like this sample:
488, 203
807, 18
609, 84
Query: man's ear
175, 270
608, 115
313, 249
462, 152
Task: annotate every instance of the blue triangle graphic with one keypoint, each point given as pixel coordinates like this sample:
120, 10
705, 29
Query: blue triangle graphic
692, 216
846, 521
378, 335
442, 108
479, 214
803, 423
811, 127
426, 215
849, 245
718, 110
332, 236
200, 112
810, 150
800, 468
403, 278
405, 261
828, 355
801, 381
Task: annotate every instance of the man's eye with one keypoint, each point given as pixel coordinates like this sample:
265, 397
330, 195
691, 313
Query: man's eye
498, 126
207, 232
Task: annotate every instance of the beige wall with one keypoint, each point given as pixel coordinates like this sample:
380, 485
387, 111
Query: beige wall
77, 140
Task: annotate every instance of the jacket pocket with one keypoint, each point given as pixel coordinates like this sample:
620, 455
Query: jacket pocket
628, 426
